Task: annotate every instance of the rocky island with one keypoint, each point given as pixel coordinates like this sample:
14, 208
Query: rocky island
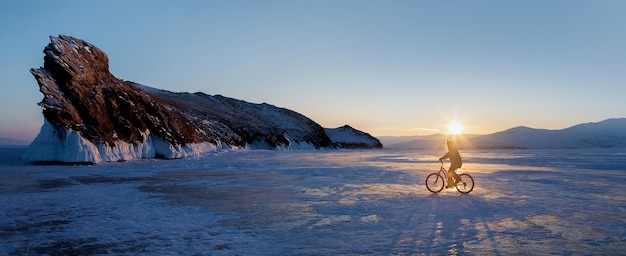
92, 116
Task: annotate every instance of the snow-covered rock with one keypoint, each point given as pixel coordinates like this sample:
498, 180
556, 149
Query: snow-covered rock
62, 145
92, 116
348, 137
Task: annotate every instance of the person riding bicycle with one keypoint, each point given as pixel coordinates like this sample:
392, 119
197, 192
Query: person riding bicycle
455, 162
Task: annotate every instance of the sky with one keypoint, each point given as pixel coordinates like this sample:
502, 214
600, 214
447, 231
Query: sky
389, 68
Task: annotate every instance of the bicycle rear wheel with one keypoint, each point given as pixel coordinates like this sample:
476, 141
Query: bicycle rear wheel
434, 182
466, 184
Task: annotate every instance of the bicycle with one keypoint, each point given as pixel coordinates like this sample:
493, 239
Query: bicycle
436, 181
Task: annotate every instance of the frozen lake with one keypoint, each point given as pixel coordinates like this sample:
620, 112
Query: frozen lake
565, 202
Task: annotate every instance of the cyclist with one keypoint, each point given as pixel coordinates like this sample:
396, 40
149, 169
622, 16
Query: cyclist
455, 162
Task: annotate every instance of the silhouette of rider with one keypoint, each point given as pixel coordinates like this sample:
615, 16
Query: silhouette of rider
455, 162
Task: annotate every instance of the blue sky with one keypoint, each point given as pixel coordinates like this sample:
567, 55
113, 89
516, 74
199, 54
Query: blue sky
384, 67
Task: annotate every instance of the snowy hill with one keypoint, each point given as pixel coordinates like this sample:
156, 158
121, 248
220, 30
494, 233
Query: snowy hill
606, 134
609, 133
348, 137
92, 116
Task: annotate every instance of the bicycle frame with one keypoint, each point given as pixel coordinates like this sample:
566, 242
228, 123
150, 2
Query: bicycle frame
444, 173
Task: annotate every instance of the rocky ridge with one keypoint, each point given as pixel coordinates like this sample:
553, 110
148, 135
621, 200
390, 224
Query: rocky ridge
348, 137
92, 116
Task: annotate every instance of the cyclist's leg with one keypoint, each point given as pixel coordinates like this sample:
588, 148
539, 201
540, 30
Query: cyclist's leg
452, 174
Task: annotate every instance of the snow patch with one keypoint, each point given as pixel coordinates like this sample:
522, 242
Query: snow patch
167, 150
69, 146
123, 151
62, 145
292, 145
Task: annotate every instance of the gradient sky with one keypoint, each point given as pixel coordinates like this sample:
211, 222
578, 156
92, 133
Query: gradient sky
384, 67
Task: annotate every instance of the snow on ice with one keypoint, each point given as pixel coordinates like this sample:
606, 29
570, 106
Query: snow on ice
71, 147
268, 202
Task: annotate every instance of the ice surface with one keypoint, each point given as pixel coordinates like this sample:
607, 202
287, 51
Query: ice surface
267, 202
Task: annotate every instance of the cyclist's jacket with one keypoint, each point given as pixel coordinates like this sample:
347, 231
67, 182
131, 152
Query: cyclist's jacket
455, 158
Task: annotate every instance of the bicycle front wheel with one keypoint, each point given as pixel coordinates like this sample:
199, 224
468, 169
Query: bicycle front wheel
466, 184
434, 182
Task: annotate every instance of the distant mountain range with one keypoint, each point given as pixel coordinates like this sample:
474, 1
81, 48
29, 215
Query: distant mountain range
13, 142
610, 133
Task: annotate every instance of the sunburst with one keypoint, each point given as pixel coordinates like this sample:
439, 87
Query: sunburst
454, 127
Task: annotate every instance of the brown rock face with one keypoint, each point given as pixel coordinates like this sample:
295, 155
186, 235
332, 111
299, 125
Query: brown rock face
81, 94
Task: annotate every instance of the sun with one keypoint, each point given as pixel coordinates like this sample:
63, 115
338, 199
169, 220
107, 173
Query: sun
455, 128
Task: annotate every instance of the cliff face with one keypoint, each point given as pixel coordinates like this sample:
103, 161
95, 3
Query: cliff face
91, 116
238, 123
80, 94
